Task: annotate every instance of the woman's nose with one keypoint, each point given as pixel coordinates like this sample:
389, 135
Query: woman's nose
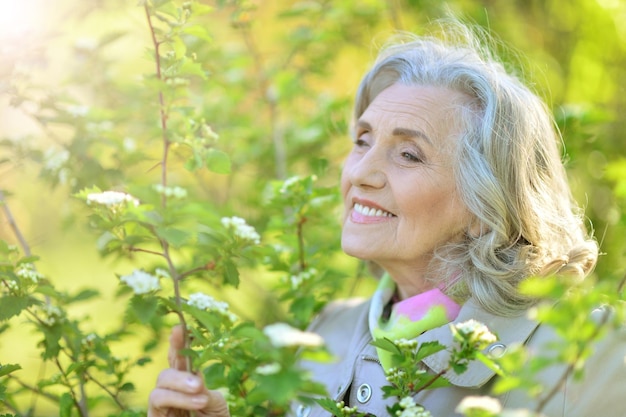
368, 171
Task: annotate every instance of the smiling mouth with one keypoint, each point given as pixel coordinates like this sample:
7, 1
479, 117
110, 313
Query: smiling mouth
371, 212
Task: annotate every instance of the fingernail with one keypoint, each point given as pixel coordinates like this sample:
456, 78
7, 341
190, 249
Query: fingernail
193, 382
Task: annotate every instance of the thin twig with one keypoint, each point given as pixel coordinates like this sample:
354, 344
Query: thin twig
13, 224
151, 252
570, 368
431, 381
301, 243
77, 402
35, 389
163, 114
108, 391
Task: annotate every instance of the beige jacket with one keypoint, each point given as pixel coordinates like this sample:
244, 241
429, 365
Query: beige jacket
344, 327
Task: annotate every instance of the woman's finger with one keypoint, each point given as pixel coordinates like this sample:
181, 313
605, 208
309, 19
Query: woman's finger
177, 343
162, 401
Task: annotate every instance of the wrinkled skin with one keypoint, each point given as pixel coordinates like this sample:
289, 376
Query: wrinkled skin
178, 391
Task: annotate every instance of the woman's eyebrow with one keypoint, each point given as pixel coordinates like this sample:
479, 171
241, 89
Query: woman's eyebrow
398, 131
411, 133
363, 125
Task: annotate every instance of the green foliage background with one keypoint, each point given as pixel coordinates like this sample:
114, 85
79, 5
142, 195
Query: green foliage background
274, 79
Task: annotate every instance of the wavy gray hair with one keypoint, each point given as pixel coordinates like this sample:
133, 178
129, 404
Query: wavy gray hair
508, 171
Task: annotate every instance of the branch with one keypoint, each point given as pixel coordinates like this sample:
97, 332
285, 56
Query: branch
79, 406
300, 234
108, 391
163, 114
152, 252
13, 224
570, 368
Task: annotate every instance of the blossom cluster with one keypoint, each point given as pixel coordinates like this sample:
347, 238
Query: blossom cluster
479, 405
176, 192
298, 279
411, 409
52, 314
28, 272
203, 301
241, 229
408, 344
111, 199
345, 411
268, 369
395, 375
89, 340
474, 333
141, 282
283, 335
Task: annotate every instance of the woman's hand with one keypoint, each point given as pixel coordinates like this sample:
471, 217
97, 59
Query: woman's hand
178, 391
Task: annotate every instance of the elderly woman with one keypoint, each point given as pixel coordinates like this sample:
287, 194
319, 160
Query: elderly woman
455, 189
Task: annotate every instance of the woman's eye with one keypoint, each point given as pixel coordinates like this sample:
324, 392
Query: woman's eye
410, 156
360, 140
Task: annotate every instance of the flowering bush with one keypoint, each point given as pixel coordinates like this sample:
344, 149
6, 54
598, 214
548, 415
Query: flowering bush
191, 212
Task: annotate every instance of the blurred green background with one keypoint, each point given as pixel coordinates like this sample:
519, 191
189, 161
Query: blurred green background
280, 77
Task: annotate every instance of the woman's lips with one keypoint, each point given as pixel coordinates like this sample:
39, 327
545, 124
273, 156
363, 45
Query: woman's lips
364, 213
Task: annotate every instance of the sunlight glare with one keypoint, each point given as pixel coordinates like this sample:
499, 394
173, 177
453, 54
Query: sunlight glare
19, 18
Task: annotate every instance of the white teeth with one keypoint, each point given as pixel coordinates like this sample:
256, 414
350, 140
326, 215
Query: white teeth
370, 211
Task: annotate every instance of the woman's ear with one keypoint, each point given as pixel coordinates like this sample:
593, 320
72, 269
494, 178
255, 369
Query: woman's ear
476, 228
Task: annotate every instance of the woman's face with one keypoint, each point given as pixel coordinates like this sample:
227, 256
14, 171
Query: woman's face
400, 196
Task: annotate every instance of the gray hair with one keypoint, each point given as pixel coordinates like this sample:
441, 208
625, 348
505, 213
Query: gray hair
507, 168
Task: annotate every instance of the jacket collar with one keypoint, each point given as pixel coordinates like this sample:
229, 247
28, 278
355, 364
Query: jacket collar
509, 330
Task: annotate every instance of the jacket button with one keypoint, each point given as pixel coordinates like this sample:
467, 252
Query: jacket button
303, 411
364, 393
496, 351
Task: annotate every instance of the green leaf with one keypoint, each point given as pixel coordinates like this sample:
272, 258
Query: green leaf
428, 348
83, 295
386, 344
13, 305
144, 307
189, 67
218, 162
65, 405
199, 32
7, 369
179, 47
174, 237
231, 273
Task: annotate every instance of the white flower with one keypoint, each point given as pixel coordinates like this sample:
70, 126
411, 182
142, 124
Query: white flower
12, 285
28, 271
129, 144
268, 369
206, 302
141, 282
77, 110
475, 332
52, 314
469, 403
407, 402
176, 192
111, 199
54, 160
89, 339
404, 343
241, 229
297, 280
282, 334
